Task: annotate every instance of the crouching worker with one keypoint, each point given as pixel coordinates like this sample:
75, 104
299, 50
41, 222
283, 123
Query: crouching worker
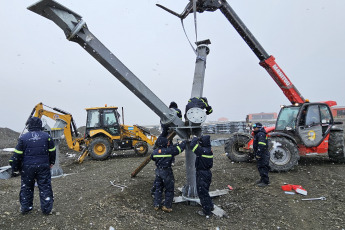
203, 164
198, 102
163, 157
36, 152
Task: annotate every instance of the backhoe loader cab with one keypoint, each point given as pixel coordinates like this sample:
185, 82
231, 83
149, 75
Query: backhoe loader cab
104, 134
102, 119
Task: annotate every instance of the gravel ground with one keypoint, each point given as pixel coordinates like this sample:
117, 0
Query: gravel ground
85, 198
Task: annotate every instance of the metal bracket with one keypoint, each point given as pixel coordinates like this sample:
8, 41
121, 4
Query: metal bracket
76, 29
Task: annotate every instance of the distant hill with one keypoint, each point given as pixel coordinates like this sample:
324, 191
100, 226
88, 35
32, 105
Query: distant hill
8, 138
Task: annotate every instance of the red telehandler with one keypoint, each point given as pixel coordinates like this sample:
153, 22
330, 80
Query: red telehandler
301, 129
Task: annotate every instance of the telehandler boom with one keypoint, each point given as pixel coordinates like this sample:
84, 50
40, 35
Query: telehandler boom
302, 128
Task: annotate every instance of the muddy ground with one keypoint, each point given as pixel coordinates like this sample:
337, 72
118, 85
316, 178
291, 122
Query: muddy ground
85, 198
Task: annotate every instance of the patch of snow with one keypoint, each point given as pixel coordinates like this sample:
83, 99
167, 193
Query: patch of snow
8, 149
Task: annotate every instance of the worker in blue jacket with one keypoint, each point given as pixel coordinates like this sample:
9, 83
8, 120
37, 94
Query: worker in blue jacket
163, 157
203, 164
199, 102
262, 155
36, 154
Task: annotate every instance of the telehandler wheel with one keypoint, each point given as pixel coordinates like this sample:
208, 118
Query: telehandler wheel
100, 148
336, 146
284, 154
233, 145
141, 148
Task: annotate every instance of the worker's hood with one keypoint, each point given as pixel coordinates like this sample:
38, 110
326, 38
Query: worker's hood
34, 124
162, 142
173, 105
205, 141
262, 129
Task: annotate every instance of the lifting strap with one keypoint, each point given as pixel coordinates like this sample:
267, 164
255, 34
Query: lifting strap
195, 27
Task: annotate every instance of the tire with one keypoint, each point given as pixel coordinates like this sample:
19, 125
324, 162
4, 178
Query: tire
284, 154
141, 148
233, 145
100, 148
336, 147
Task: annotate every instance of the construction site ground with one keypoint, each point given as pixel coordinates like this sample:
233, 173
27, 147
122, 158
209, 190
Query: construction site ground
85, 198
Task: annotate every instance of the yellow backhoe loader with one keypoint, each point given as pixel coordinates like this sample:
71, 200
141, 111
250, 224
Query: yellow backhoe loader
103, 133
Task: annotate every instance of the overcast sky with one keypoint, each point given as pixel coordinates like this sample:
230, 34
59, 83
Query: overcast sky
38, 63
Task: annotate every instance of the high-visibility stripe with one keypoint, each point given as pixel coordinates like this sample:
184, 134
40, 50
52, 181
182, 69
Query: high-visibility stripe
210, 110
48, 139
53, 149
195, 147
203, 101
179, 149
262, 143
17, 151
162, 156
10, 160
207, 156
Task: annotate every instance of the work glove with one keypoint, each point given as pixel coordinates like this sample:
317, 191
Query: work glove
182, 145
208, 110
195, 138
15, 173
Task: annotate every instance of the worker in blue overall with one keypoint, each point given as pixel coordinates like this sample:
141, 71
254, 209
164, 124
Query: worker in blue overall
35, 153
260, 146
163, 156
203, 164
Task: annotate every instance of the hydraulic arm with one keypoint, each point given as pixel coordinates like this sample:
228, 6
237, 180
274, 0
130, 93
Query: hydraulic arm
266, 61
70, 129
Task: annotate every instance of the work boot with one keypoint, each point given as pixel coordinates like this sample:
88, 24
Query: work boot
165, 209
201, 213
260, 181
262, 184
24, 212
48, 213
156, 208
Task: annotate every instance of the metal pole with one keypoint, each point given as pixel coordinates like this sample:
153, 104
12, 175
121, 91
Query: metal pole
189, 190
56, 170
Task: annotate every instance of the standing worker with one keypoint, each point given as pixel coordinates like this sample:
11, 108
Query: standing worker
198, 102
163, 157
35, 152
165, 133
203, 164
260, 146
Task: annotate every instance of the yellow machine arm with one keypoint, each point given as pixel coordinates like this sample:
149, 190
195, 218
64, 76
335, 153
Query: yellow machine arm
69, 129
138, 133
